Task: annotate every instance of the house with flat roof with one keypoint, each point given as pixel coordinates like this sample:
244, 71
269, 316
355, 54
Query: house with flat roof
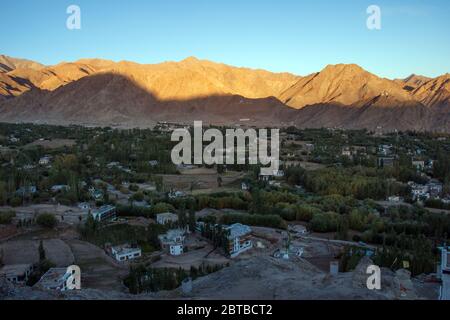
167, 217
245, 186
419, 165
239, 239
95, 194
60, 188
126, 252
173, 241
45, 160
16, 273
60, 279
27, 190
104, 213
435, 188
384, 162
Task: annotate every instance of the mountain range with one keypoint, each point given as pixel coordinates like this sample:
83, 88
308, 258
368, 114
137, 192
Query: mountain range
103, 92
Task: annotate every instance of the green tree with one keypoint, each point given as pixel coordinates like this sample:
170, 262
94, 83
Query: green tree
47, 220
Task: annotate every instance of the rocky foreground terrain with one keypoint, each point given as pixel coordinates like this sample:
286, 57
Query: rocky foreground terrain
263, 278
102, 92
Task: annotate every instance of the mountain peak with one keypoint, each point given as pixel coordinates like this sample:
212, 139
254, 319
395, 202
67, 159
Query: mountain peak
351, 67
191, 59
9, 63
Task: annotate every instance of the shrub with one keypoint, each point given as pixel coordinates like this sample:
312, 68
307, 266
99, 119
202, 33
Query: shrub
15, 202
47, 220
325, 222
162, 207
261, 220
6, 217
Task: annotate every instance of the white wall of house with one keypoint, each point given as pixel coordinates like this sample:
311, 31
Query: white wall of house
238, 248
129, 255
176, 249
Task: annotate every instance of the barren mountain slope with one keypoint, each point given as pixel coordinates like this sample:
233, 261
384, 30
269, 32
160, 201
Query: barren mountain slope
111, 97
8, 64
125, 93
342, 84
412, 82
434, 93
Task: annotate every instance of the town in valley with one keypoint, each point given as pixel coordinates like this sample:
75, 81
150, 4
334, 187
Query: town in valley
110, 201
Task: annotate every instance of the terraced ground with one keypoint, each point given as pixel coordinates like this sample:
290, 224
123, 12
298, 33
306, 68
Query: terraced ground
98, 270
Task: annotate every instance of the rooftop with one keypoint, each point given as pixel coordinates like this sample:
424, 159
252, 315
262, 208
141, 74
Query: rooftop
172, 236
104, 209
125, 249
53, 278
15, 269
167, 215
238, 230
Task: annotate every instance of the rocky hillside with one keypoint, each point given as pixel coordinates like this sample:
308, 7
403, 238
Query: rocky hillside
102, 92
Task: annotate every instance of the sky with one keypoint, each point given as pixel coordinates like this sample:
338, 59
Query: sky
296, 36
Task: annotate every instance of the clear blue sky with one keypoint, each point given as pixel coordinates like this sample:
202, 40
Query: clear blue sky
298, 36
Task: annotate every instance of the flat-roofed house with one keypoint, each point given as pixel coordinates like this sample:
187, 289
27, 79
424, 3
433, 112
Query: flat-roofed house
60, 279
17, 273
126, 252
167, 217
173, 241
418, 164
239, 239
104, 213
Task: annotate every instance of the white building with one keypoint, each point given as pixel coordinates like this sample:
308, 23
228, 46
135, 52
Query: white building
176, 194
173, 241
435, 188
126, 252
28, 190
395, 199
445, 274
239, 239
385, 149
44, 160
17, 273
153, 163
346, 152
59, 188
419, 191
278, 173
245, 186
104, 213
418, 164
60, 279
167, 217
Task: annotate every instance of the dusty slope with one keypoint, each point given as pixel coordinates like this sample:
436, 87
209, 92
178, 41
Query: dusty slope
435, 92
8, 64
412, 82
104, 92
345, 84
113, 98
261, 278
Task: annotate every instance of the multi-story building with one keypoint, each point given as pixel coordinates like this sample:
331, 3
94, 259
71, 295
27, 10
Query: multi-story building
61, 279
239, 239
106, 212
173, 241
